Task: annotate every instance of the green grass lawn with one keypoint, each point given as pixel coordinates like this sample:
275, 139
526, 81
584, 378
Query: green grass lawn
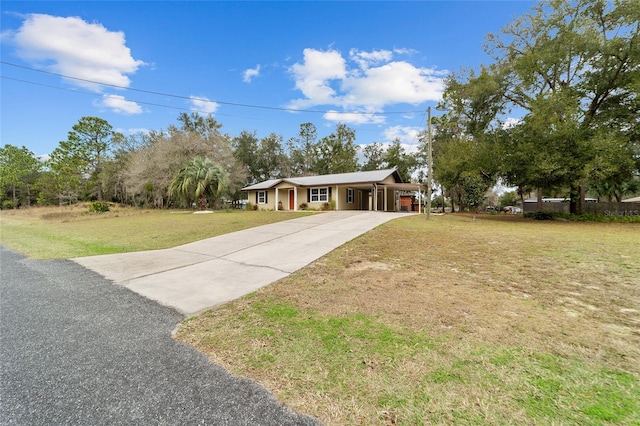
64, 232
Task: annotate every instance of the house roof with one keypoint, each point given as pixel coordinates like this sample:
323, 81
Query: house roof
632, 200
354, 178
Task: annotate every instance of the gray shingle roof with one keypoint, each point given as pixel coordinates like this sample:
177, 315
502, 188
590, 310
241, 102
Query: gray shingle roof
372, 176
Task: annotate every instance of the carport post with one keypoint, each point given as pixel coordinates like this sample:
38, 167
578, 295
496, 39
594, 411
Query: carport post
375, 197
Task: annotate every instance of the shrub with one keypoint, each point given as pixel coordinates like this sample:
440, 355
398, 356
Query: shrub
585, 217
8, 204
248, 206
98, 207
303, 206
539, 215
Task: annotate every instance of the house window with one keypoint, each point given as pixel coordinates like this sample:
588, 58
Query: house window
262, 197
319, 195
349, 196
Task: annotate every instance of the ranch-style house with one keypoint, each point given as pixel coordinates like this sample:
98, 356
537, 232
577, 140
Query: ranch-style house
377, 190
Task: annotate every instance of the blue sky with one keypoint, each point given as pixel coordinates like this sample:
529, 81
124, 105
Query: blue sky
375, 66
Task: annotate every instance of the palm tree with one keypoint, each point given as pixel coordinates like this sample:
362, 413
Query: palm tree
198, 179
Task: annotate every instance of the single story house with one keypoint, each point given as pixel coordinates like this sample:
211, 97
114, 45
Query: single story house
377, 190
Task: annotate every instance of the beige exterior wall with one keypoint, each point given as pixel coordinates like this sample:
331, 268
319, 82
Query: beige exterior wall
352, 203
270, 202
361, 200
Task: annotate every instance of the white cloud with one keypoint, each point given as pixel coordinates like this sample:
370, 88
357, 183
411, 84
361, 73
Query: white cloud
511, 122
407, 134
367, 83
250, 73
202, 104
366, 59
313, 77
133, 131
73, 47
393, 83
120, 105
354, 118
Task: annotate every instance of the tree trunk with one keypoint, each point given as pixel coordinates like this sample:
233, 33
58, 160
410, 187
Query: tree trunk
576, 204
538, 199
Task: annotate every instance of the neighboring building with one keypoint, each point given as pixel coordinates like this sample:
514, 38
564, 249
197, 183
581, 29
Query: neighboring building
377, 190
552, 204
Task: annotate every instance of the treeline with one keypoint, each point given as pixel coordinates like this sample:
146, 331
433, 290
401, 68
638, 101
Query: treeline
191, 162
571, 69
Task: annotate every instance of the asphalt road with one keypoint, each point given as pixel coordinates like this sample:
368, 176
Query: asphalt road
76, 349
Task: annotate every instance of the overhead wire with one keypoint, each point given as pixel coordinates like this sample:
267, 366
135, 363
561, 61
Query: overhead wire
194, 98
82, 92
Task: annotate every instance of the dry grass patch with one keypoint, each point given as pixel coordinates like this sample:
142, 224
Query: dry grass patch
70, 231
493, 321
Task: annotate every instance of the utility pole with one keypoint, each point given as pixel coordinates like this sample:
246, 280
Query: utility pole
429, 164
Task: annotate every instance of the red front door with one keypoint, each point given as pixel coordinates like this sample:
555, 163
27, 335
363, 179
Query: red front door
292, 199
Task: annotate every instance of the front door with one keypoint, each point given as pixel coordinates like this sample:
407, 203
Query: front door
292, 199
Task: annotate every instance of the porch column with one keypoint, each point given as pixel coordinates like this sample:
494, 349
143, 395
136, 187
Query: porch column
337, 199
276, 198
384, 199
295, 199
375, 197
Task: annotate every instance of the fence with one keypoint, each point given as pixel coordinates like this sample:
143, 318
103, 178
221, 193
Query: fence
604, 208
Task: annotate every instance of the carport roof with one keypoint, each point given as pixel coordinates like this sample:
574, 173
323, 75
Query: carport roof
354, 178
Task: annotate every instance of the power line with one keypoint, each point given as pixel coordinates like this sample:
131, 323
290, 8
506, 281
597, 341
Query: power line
82, 92
192, 98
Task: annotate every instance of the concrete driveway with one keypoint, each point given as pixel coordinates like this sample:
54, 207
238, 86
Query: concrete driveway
200, 275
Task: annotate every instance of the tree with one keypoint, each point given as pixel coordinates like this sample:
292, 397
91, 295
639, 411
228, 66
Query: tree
474, 189
245, 150
271, 159
18, 172
302, 150
509, 198
374, 156
155, 161
77, 162
206, 126
573, 67
463, 141
200, 179
396, 156
337, 152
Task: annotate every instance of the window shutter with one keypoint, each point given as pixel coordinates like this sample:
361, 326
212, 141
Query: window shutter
266, 197
308, 195
329, 197
256, 198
